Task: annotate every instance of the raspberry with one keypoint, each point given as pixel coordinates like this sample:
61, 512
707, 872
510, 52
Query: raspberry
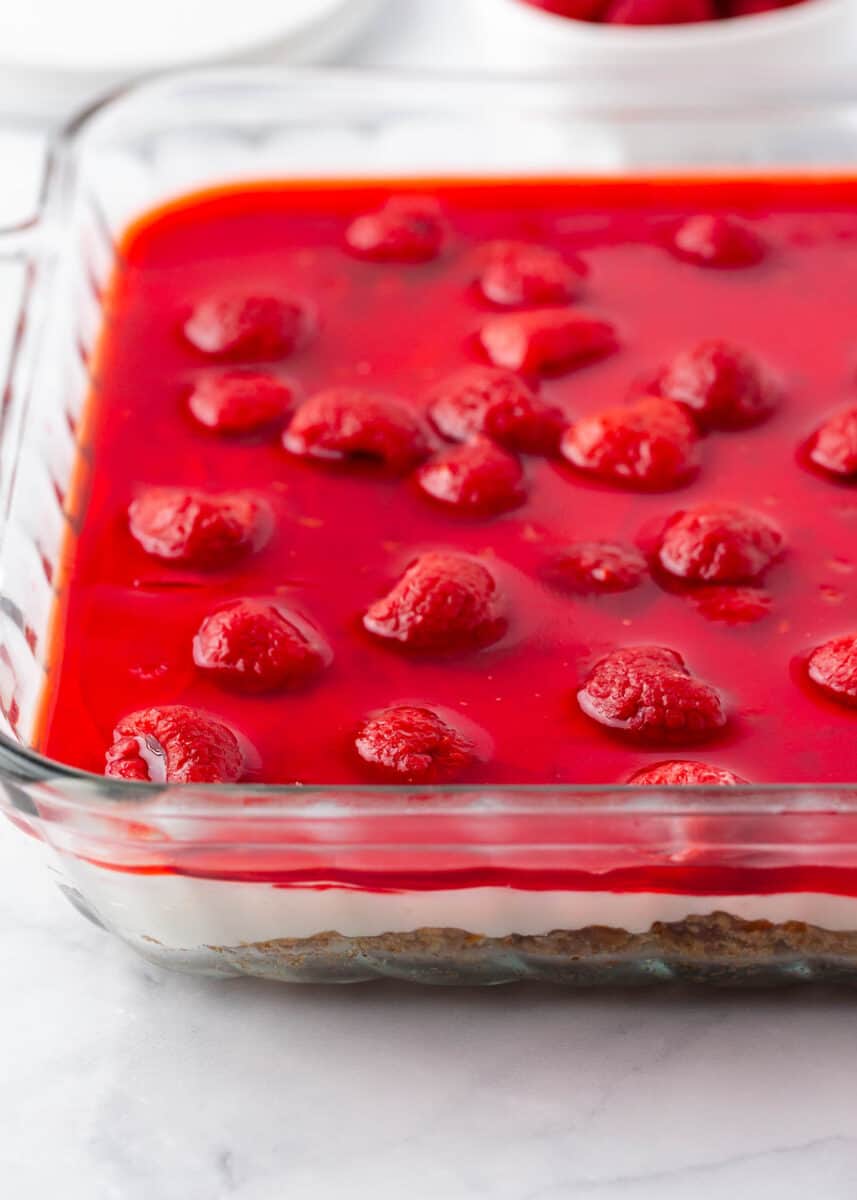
407, 229
718, 241
579, 10
257, 646
521, 274
659, 12
497, 404
719, 543
476, 477
833, 668
678, 773
405, 744
650, 444
598, 567
174, 744
724, 386
748, 8
648, 691
248, 326
343, 424
198, 529
239, 401
545, 340
834, 446
444, 601
733, 605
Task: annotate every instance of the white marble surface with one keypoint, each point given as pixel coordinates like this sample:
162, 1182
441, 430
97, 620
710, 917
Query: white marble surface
120, 1080
123, 1082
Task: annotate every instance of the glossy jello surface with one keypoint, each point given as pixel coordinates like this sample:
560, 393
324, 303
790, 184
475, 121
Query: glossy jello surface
308, 554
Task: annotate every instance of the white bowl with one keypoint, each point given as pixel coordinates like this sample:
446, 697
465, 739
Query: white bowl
803, 41
57, 56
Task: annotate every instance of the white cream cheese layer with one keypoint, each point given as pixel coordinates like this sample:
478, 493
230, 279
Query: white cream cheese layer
180, 912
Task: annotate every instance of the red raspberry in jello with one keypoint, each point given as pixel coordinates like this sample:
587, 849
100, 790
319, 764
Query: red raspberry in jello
680, 773
833, 668
443, 602
715, 240
733, 605
407, 744
349, 424
174, 744
476, 477
520, 274
597, 567
407, 229
651, 444
834, 446
239, 401
257, 646
724, 386
659, 12
498, 404
545, 340
719, 543
198, 529
249, 326
647, 691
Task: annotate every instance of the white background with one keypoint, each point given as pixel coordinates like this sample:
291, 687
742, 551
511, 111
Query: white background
121, 1081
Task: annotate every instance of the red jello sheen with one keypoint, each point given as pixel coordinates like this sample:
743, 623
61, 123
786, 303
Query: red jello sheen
327, 538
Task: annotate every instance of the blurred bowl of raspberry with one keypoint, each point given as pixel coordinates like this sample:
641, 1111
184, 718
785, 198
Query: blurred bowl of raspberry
760, 41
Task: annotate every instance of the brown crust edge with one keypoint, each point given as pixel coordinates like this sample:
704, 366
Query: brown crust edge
715, 949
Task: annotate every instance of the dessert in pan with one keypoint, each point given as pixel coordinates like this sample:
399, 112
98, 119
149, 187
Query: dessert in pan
535, 483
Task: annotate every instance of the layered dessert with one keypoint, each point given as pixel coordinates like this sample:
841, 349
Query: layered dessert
522, 484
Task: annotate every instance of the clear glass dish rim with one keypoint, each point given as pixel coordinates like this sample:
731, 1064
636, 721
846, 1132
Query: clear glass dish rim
21, 765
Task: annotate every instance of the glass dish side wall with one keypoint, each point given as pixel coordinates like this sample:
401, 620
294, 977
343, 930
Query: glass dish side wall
196, 131
283, 883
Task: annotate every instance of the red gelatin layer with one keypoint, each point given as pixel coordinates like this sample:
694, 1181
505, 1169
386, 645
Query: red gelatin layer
499, 638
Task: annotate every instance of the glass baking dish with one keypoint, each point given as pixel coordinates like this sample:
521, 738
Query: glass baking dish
579, 885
